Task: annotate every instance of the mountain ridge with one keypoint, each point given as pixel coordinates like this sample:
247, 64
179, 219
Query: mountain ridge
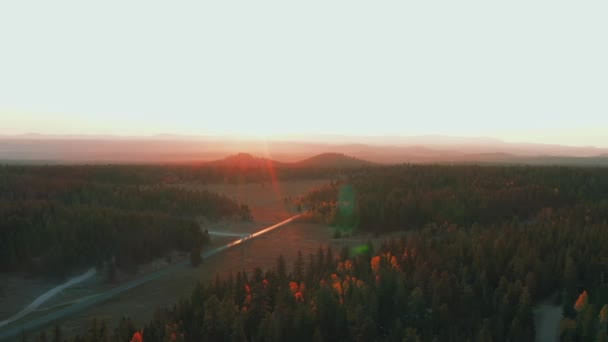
35, 148
429, 140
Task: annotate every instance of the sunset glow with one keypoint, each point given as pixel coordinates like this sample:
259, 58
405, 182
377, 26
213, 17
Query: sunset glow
303, 171
275, 69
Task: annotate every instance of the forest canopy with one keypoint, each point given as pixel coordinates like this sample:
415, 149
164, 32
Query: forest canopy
53, 222
411, 196
480, 247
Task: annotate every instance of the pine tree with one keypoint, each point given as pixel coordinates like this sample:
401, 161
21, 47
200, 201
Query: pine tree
281, 269
298, 269
57, 335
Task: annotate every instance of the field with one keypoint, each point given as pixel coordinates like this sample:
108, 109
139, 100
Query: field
266, 200
268, 206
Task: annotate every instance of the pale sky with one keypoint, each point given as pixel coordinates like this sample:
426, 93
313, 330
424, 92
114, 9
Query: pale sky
532, 71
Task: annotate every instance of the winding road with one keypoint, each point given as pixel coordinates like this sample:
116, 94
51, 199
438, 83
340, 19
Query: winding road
17, 329
48, 295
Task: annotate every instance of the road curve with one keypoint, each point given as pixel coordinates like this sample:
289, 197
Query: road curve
48, 295
38, 322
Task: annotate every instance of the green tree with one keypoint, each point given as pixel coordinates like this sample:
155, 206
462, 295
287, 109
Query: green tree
195, 257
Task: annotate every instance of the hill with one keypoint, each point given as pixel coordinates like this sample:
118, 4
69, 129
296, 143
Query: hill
245, 161
324, 160
332, 160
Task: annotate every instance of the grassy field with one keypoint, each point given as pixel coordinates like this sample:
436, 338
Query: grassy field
266, 201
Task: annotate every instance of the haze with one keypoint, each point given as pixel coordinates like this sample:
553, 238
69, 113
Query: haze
303, 171
516, 71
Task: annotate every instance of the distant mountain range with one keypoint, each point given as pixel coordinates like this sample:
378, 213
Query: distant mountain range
318, 150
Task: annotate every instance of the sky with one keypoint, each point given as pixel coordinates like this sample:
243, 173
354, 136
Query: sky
532, 71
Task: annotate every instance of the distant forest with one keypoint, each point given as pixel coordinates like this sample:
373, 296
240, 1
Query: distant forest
174, 173
480, 247
403, 198
54, 220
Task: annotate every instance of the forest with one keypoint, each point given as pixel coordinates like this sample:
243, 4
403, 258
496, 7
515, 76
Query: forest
402, 198
479, 248
153, 174
477, 285
54, 222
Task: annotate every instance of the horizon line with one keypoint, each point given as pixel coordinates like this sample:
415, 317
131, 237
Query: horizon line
297, 138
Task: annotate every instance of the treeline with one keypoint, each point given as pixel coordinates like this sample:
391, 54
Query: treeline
57, 224
410, 196
435, 284
157, 174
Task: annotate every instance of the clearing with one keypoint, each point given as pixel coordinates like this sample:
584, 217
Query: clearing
268, 206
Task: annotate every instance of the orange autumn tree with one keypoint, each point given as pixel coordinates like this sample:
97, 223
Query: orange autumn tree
581, 302
137, 337
375, 264
603, 316
585, 317
297, 290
